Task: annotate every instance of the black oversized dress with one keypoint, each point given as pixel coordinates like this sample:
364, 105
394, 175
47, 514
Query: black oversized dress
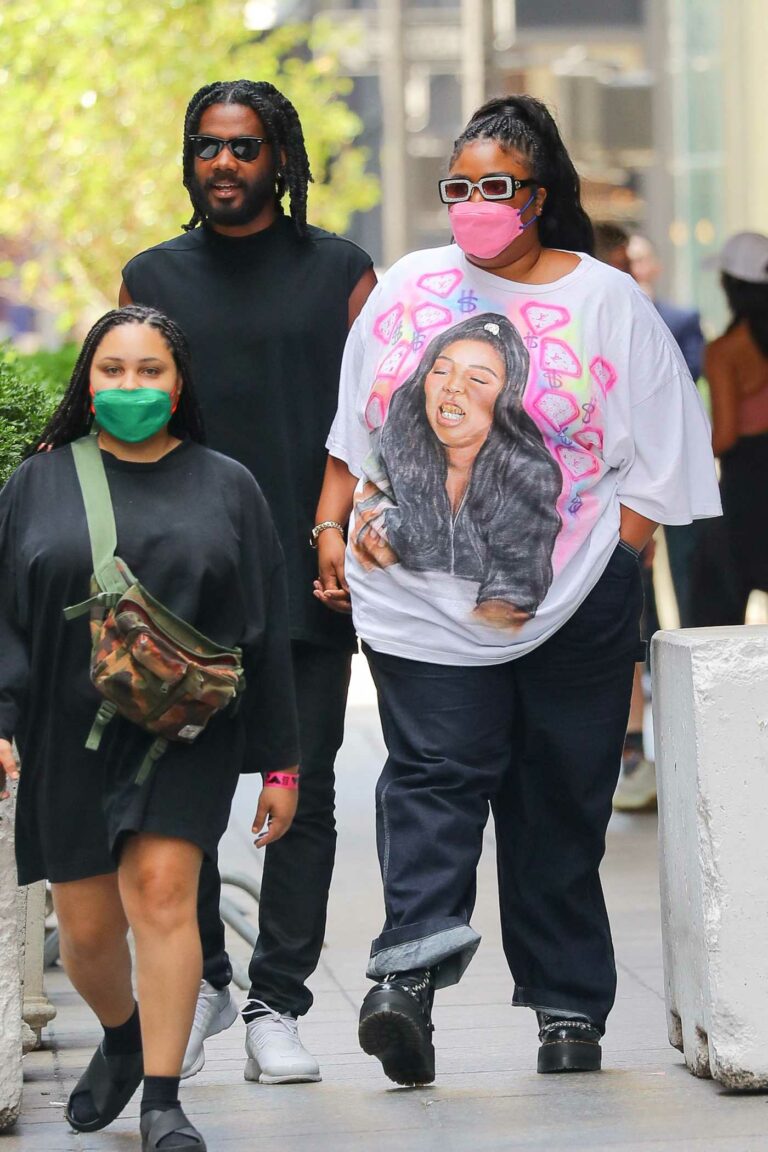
196, 530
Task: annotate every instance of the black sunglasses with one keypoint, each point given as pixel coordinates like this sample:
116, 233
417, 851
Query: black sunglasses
245, 148
456, 189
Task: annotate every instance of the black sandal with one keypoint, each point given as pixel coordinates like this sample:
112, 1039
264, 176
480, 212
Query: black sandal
110, 1081
156, 1125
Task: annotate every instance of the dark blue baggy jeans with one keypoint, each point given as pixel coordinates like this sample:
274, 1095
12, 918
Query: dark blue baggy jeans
538, 740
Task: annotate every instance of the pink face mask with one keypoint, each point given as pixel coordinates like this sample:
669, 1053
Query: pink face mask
485, 229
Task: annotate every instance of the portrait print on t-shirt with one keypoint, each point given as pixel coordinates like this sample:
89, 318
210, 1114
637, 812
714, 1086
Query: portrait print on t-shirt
459, 479
496, 429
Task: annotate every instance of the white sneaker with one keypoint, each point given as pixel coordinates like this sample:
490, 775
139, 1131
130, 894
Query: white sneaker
636, 791
215, 1010
275, 1053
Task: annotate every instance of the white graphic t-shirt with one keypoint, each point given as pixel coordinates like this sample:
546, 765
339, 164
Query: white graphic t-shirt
495, 428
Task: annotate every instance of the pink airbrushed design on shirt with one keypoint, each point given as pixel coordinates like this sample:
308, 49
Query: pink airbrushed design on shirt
542, 318
558, 408
559, 358
440, 283
387, 376
604, 373
385, 324
391, 363
430, 316
577, 462
590, 438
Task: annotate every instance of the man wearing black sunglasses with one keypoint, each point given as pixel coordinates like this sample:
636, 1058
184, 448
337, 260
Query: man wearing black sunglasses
266, 301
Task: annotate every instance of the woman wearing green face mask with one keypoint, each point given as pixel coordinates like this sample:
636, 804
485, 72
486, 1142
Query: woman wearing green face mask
195, 529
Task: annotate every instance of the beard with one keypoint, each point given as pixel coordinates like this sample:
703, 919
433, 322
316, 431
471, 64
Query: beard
256, 196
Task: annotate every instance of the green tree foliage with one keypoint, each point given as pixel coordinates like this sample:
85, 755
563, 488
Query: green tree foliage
27, 402
92, 99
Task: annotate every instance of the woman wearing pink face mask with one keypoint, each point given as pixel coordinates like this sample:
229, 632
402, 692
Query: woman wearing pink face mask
523, 713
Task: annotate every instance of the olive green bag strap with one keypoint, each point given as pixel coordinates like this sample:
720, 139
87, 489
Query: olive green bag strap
112, 578
100, 517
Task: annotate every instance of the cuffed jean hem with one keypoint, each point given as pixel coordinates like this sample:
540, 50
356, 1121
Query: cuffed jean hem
555, 1004
446, 946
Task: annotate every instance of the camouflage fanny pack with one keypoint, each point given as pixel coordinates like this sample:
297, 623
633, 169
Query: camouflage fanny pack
150, 666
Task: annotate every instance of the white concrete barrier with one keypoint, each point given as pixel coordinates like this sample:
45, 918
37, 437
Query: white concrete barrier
10, 987
710, 710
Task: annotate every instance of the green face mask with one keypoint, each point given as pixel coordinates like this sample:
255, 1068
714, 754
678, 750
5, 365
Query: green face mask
134, 415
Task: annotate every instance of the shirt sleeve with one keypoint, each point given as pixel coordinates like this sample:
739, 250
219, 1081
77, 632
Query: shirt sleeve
357, 265
269, 702
348, 439
657, 433
14, 651
271, 720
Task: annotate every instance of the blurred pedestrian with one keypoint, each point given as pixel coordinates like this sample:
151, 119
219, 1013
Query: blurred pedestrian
636, 789
266, 301
736, 367
504, 671
197, 532
682, 540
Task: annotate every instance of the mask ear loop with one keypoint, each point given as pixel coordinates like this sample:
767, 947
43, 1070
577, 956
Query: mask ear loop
525, 208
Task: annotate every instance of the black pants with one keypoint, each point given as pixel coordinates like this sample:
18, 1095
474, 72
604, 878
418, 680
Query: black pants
539, 739
297, 868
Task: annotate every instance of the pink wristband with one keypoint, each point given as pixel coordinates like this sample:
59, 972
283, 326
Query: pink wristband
282, 780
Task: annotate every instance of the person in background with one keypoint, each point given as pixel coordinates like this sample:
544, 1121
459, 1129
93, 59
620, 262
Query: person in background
736, 367
682, 540
194, 528
527, 714
636, 789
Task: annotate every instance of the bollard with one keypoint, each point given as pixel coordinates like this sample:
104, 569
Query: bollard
710, 715
10, 986
37, 1009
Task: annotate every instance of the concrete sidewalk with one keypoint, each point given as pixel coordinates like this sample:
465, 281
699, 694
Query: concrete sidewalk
487, 1095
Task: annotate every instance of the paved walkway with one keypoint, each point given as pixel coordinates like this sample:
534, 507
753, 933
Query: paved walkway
487, 1095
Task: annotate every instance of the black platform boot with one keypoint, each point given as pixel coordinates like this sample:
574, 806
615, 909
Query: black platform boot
396, 1026
568, 1045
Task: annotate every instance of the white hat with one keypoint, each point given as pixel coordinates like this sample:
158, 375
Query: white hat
745, 257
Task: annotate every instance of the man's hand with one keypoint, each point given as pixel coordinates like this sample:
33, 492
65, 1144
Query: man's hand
331, 589
275, 813
8, 768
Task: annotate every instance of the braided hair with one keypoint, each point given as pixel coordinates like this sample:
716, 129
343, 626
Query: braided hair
524, 124
283, 131
73, 417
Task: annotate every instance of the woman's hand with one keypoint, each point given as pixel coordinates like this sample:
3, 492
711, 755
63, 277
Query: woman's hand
331, 589
8, 767
275, 813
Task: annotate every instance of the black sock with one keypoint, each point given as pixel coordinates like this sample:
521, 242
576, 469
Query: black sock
160, 1093
253, 1010
126, 1038
633, 742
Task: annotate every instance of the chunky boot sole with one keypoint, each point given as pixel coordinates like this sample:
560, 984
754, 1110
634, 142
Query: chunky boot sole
397, 1039
570, 1056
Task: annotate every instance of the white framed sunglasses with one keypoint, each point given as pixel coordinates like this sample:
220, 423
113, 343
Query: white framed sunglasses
455, 189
